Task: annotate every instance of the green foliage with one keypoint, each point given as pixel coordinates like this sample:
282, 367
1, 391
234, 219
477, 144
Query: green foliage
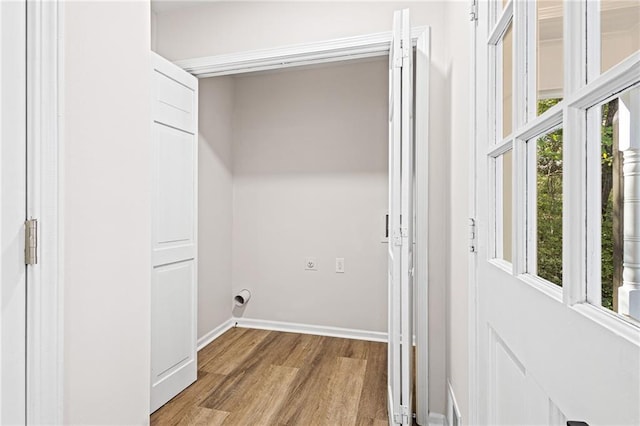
549, 202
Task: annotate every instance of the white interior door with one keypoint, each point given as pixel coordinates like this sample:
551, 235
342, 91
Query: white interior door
400, 347
174, 231
13, 143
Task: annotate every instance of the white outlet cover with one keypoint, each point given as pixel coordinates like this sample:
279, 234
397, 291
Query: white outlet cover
310, 264
339, 265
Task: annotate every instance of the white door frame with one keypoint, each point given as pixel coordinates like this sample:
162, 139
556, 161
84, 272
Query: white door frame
45, 187
345, 49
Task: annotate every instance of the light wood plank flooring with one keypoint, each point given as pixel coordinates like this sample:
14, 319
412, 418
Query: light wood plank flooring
259, 377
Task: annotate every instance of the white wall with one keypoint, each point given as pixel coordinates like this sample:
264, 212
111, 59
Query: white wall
310, 179
105, 203
458, 87
222, 27
215, 198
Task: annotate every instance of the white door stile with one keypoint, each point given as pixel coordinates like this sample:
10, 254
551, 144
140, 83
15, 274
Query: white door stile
174, 231
407, 218
395, 129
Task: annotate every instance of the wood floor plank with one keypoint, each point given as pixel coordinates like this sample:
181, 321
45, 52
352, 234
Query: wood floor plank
261, 404
303, 403
226, 360
373, 401
342, 395
199, 416
302, 350
173, 411
272, 350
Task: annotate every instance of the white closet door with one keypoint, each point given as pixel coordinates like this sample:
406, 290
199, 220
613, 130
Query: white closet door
13, 197
400, 220
174, 231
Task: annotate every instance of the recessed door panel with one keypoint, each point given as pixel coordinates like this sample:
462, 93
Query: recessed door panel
174, 186
174, 103
172, 295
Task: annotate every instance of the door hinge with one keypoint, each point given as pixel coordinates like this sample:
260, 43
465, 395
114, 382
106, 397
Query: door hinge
31, 242
402, 418
472, 235
474, 11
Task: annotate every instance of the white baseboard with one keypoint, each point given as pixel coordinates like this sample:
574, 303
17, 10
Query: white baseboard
347, 333
215, 333
437, 419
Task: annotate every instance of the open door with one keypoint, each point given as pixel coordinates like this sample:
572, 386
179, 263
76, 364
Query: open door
401, 159
174, 231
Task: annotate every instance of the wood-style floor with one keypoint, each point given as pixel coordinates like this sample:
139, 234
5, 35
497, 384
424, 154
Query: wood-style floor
259, 377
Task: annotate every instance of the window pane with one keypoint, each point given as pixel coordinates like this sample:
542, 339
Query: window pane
549, 50
504, 223
611, 185
507, 82
549, 206
619, 31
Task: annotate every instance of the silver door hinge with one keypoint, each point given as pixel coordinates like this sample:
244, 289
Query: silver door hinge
474, 10
402, 418
31, 242
472, 235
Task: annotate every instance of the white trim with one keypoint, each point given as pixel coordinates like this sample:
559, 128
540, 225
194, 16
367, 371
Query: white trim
215, 333
319, 330
421, 231
45, 294
437, 419
341, 49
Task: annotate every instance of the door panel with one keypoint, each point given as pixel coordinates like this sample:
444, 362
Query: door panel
174, 231
13, 197
174, 190
172, 308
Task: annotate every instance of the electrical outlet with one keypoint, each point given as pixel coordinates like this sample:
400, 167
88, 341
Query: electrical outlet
310, 264
339, 265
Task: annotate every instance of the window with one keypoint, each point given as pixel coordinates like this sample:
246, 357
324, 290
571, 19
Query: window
565, 148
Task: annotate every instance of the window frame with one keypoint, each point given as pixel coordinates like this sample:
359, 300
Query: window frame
583, 88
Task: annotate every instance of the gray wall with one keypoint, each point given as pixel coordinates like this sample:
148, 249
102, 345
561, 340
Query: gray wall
310, 179
215, 199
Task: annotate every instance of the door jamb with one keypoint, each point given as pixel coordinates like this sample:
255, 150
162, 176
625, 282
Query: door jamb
44, 194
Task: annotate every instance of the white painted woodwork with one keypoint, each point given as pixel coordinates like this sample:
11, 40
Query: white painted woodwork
421, 222
543, 354
174, 231
629, 127
401, 217
13, 196
44, 298
342, 49
407, 218
395, 194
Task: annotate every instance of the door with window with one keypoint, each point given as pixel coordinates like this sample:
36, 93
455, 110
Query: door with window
557, 333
